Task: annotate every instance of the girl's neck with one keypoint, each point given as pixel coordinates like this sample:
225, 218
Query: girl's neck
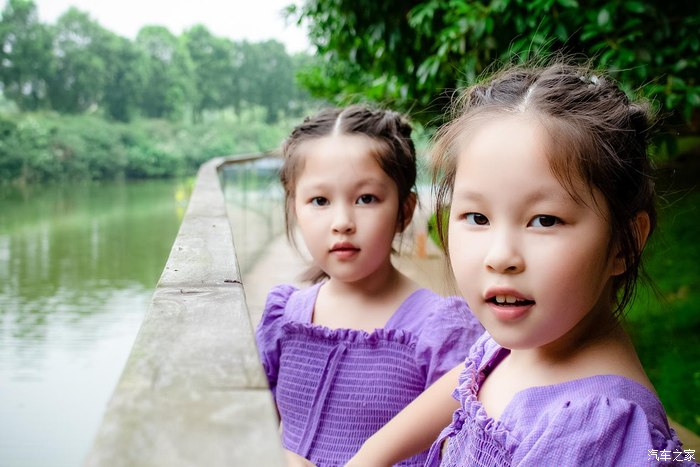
569, 348
609, 351
596, 328
382, 282
365, 305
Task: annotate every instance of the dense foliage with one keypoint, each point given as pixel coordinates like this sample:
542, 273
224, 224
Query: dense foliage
77, 66
409, 53
39, 147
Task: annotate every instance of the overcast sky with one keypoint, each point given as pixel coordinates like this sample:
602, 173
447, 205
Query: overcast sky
252, 20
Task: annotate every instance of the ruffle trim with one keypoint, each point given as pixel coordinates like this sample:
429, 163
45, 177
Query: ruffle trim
276, 302
471, 408
350, 336
662, 443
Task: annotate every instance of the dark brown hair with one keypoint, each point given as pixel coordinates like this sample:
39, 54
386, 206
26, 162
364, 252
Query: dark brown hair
596, 133
396, 153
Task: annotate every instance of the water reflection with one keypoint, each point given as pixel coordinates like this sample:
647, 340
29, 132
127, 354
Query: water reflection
78, 264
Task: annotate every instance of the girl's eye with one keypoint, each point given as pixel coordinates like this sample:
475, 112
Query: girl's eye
366, 199
319, 201
544, 221
475, 218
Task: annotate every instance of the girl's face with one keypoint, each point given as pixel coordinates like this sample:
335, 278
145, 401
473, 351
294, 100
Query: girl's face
531, 261
346, 207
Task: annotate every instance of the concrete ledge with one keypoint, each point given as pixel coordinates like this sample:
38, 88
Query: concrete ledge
193, 392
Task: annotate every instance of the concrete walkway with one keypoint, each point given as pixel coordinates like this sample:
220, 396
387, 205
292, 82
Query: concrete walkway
280, 264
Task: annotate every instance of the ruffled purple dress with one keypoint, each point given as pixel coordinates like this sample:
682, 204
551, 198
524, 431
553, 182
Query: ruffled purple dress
335, 387
604, 420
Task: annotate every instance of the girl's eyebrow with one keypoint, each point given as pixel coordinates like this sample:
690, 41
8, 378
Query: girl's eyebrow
371, 182
529, 198
374, 182
468, 195
314, 185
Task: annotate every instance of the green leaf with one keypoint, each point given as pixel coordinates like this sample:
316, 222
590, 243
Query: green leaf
603, 17
680, 65
561, 32
568, 3
589, 33
635, 7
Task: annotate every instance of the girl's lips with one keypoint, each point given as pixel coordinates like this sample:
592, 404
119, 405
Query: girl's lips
344, 250
510, 312
508, 304
343, 246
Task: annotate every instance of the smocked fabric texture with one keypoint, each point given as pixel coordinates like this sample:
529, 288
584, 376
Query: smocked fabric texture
604, 420
335, 387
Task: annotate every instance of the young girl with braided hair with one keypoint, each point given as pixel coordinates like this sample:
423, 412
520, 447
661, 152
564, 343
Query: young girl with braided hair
346, 354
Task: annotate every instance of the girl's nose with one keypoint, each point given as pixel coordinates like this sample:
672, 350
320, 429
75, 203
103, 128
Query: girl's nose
504, 255
343, 221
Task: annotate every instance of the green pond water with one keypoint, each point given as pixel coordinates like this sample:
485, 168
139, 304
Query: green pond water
78, 265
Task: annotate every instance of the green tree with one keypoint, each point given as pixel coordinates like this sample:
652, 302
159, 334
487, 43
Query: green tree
236, 96
80, 71
212, 60
125, 76
300, 98
409, 53
274, 75
25, 55
169, 86
266, 77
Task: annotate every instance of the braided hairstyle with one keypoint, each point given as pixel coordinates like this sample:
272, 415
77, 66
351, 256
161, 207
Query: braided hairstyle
396, 154
597, 135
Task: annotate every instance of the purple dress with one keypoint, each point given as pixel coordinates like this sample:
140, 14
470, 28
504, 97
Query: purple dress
335, 387
594, 421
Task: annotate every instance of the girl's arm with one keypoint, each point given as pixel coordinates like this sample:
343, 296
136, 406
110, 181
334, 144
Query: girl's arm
414, 429
295, 460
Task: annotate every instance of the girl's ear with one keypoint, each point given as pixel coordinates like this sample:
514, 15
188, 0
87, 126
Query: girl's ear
409, 207
641, 225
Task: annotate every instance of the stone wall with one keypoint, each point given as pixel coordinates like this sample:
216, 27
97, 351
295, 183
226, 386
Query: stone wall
193, 392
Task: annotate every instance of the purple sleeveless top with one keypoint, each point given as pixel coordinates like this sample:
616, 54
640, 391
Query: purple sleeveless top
604, 420
335, 387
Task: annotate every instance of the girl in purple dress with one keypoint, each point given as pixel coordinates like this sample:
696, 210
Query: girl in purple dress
545, 177
346, 354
